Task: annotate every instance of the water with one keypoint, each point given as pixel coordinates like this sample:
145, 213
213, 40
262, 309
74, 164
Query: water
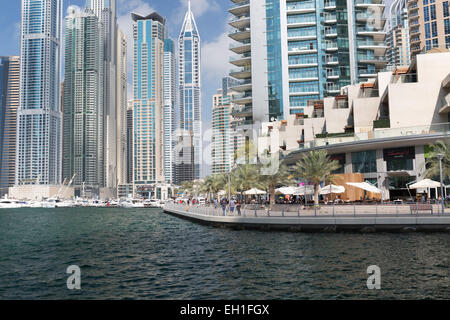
146, 254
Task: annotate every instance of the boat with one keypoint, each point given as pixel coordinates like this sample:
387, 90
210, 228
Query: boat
10, 204
132, 203
153, 203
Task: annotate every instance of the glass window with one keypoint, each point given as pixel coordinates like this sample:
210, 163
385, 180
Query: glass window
433, 12
427, 31
447, 26
447, 42
428, 44
445, 9
426, 13
435, 43
341, 159
364, 161
434, 29
399, 159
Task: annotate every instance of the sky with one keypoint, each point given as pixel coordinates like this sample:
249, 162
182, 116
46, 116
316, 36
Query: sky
211, 17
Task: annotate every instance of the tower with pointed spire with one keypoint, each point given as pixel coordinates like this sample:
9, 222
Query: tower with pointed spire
189, 158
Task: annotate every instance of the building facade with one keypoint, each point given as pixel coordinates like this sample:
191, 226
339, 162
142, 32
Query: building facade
170, 100
83, 154
189, 58
365, 127
224, 142
398, 53
39, 137
9, 102
148, 103
429, 25
289, 53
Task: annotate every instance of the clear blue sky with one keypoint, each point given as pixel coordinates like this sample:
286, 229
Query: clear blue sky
211, 17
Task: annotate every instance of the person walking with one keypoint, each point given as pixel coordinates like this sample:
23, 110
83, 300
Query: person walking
232, 205
238, 207
223, 204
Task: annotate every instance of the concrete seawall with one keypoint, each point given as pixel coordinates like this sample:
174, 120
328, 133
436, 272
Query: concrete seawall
385, 223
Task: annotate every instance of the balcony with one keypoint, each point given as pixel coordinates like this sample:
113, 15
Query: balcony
241, 112
242, 60
329, 18
291, 23
333, 75
242, 98
331, 60
241, 47
367, 73
240, 34
381, 124
240, 8
404, 78
240, 22
300, 7
330, 32
329, 5
331, 45
241, 73
369, 3
332, 88
372, 45
241, 123
372, 59
370, 31
242, 86
305, 49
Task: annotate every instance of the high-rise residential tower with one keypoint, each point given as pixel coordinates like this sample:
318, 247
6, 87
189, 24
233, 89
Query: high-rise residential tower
429, 25
398, 52
188, 167
9, 102
39, 140
291, 53
148, 103
170, 98
83, 100
224, 143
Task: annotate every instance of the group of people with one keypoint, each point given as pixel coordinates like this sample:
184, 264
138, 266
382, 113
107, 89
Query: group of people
232, 204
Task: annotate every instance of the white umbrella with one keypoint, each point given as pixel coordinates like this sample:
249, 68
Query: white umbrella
425, 184
301, 191
254, 191
365, 186
331, 189
286, 190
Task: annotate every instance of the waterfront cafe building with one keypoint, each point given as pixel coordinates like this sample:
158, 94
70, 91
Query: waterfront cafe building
380, 130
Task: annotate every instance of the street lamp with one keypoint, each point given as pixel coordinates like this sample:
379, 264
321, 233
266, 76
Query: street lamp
440, 157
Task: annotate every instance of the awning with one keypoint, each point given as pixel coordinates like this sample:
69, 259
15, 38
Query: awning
365, 186
425, 184
332, 189
254, 191
286, 190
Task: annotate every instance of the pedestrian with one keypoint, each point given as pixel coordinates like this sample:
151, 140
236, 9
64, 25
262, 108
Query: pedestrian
232, 205
238, 207
215, 203
223, 204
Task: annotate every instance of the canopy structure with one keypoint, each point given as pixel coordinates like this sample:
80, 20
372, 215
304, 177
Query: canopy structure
425, 184
331, 189
365, 186
254, 191
286, 190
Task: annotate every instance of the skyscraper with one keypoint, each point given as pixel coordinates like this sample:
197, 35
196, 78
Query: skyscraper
291, 53
39, 116
83, 100
429, 25
224, 143
398, 53
9, 102
148, 103
170, 98
189, 49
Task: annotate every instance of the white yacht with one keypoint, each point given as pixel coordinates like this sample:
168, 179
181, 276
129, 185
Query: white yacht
10, 204
153, 203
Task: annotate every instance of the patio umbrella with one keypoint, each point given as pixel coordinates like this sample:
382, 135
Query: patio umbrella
286, 190
305, 190
331, 189
365, 186
425, 184
254, 191
222, 193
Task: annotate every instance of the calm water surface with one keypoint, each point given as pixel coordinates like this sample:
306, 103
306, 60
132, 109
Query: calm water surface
146, 254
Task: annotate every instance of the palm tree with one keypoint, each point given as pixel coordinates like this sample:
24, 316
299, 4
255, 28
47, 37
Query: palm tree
440, 147
316, 167
187, 187
281, 176
244, 177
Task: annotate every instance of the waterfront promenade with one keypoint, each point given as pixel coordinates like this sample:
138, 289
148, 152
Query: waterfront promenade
367, 218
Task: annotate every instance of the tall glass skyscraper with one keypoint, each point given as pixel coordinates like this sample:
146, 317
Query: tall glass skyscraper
83, 100
148, 103
39, 116
9, 102
170, 98
188, 166
290, 53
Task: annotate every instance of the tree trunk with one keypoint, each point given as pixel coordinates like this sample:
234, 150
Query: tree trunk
316, 194
272, 195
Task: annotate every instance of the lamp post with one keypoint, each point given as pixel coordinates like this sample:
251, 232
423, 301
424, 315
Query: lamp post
440, 157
